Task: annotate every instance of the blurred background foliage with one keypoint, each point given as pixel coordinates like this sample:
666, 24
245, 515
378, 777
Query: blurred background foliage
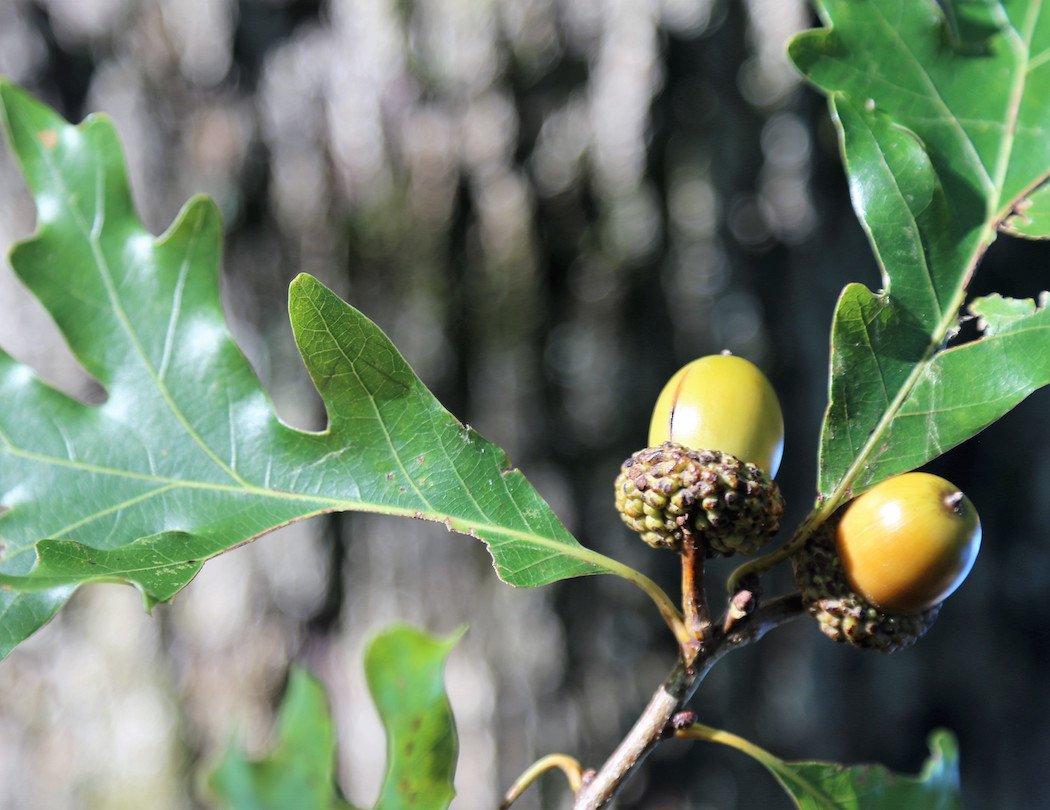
549, 205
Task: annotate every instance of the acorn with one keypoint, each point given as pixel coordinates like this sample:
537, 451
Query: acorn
725, 403
716, 432
876, 575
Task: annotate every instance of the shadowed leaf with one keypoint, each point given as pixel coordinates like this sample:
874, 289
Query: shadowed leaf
826, 786
405, 671
300, 770
814, 785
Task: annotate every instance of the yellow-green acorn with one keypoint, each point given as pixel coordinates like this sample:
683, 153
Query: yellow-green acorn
876, 576
725, 403
716, 437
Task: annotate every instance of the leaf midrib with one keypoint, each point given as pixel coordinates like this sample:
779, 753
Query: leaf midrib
334, 504
988, 233
924, 257
375, 408
935, 94
783, 770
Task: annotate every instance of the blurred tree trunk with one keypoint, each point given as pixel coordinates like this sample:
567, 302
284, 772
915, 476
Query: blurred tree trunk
549, 205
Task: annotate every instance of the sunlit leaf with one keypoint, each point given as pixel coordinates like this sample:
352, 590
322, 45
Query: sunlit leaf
966, 388
995, 312
1031, 216
943, 111
186, 457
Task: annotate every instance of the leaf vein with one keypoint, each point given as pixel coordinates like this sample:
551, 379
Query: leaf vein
102, 265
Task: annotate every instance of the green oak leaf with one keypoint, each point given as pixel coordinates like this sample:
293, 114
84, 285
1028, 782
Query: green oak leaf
405, 671
943, 112
299, 772
826, 786
964, 389
186, 458
817, 785
159, 566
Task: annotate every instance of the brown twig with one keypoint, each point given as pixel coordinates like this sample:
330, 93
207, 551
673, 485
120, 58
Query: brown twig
655, 722
694, 597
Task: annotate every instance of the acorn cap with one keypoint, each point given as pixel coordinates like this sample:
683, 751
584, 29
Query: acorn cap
731, 505
844, 615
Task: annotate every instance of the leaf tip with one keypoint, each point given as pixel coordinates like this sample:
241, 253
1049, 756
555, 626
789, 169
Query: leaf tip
304, 281
942, 741
149, 601
13, 95
200, 213
7, 87
7, 96
302, 286
203, 205
300, 678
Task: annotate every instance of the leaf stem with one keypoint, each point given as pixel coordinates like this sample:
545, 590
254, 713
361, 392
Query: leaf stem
699, 731
774, 764
759, 565
843, 489
570, 766
825, 507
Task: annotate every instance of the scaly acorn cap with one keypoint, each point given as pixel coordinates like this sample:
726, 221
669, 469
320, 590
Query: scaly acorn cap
731, 505
844, 615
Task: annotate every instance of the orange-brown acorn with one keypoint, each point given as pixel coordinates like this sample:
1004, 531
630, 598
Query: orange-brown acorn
877, 574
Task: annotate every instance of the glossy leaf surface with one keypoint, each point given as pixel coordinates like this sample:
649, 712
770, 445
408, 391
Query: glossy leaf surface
186, 457
943, 111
